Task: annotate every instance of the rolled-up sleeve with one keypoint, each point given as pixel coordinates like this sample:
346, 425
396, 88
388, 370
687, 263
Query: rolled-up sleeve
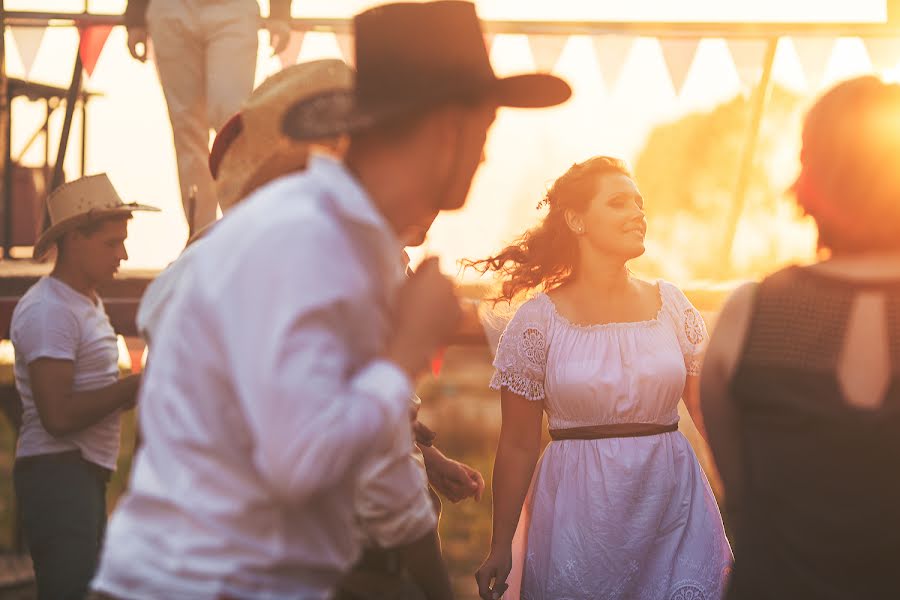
300, 452
314, 412
392, 500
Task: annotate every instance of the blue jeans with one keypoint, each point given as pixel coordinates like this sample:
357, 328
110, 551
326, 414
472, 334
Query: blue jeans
63, 502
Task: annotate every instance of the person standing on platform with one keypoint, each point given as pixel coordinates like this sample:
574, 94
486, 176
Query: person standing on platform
205, 54
67, 375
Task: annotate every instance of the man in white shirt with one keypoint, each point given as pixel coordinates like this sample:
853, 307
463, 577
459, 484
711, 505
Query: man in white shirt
285, 364
67, 375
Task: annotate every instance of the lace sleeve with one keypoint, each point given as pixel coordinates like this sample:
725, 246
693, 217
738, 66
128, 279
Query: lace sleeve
690, 329
521, 357
695, 338
689, 326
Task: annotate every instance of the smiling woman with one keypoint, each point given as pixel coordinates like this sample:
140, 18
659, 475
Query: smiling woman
608, 357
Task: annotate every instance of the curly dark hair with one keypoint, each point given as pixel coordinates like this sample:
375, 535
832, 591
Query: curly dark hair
547, 255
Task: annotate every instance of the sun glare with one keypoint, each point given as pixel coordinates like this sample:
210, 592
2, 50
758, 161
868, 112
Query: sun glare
620, 98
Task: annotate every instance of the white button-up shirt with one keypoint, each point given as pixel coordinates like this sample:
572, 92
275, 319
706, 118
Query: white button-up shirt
266, 403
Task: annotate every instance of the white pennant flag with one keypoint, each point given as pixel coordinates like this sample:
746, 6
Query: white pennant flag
814, 54
612, 52
289, 55
28, 41
883, 52
546, 49
748, 56
347, 45
679, 56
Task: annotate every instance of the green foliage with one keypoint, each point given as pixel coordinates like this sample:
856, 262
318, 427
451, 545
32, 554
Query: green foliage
688, 173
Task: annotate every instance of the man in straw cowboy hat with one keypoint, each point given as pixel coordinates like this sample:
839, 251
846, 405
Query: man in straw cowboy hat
287, 358
248, 152
67, 375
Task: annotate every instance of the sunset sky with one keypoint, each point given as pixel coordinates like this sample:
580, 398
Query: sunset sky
130, 137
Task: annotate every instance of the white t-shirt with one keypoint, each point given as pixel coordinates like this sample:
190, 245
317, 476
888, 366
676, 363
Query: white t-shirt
52, 320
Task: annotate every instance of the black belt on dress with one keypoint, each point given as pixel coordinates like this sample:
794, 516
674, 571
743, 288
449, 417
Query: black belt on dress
613, 430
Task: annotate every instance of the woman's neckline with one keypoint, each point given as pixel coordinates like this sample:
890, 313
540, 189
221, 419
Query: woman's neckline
611, 325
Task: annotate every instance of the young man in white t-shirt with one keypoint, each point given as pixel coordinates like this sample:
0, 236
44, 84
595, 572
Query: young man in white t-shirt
67, 375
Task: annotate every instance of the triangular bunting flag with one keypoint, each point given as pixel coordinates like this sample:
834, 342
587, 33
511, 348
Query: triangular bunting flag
748, 56
28, 41
347, 45
93, 39
679, 56
545, 50
814, 54
289, 55
612, 52
489, 42
437, 361
883, 52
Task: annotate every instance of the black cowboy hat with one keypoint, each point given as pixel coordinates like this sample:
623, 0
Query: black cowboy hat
411, 56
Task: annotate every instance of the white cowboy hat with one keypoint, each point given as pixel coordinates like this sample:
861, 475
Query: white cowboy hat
78, 203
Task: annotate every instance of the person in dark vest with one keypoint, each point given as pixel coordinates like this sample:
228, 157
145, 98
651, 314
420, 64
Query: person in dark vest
801, 387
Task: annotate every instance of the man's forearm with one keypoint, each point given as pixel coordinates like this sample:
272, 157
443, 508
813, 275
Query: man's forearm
87, 408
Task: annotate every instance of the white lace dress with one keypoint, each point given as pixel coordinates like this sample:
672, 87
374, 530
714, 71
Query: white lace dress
622, 518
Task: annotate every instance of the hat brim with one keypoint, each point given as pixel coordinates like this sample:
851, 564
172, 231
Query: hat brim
337, 112
47, 239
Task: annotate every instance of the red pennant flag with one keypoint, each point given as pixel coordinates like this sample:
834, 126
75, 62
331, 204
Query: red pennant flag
93, 39
437, 361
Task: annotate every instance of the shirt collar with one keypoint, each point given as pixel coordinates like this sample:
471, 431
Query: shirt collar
353, 202
349, 196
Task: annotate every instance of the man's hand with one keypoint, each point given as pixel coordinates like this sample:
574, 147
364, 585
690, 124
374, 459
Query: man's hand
452, 479
137, 43
422, 434
279, 34
428, 313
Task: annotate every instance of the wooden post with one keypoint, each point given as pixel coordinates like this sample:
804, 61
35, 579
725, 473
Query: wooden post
893, 12
760, 99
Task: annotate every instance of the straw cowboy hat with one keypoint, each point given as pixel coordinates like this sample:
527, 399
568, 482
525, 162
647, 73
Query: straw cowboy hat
409, 57
251, 149
78, 203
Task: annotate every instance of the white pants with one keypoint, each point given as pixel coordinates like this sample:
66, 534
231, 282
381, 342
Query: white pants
206, 58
